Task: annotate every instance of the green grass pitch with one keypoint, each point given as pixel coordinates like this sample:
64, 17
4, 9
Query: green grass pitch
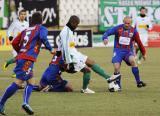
131, 101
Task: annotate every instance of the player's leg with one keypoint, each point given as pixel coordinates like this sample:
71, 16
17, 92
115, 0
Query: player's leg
139, 56
83, 60
10, 91
8, 62
144, 40
11, 60
86, 78
68, 87
117, 58
135, 71
117, 72
26, 96
25, 73
59, 86
97, 69
42, 84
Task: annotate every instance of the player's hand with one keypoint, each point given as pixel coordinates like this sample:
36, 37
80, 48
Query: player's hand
10, 38
105, 41
53, 51
70, 68
144, 57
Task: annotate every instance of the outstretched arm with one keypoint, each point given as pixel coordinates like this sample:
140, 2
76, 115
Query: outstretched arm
108, 32
43, 37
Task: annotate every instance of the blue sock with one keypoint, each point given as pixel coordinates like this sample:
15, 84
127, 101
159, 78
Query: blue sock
27, 93
135, 72
11, 90
36, 88
118, 80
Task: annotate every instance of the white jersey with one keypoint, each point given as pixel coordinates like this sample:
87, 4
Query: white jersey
141, 24
16, 27
69, 52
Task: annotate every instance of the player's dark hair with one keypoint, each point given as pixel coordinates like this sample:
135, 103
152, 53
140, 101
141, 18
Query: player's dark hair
74, 18
143, 8
36, 18
23, 10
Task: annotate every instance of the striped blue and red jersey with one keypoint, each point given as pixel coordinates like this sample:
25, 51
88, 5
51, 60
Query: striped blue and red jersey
125, 38
57, 60
28, 42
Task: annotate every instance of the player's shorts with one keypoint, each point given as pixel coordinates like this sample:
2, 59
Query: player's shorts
24, 69
79, 61
14, 53
122, 54
52, 77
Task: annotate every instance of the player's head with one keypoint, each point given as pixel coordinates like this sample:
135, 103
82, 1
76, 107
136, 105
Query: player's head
74, 21
127, 22
143, 11
22, 15
36, 18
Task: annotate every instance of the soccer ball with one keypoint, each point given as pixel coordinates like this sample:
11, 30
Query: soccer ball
113, 87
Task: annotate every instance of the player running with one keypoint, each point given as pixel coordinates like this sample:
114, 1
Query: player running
27, 44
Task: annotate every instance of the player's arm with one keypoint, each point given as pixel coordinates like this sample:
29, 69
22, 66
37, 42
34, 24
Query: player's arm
16, 42
43, 37
10, 31
64, 35
111, 31
140, 45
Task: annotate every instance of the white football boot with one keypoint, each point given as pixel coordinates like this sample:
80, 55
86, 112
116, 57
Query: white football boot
87, 90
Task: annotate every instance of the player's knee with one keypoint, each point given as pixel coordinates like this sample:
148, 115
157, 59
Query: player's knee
86, 70
133, 63
68, 89
90, 62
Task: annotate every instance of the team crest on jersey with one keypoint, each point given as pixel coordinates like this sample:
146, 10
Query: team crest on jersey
130, 35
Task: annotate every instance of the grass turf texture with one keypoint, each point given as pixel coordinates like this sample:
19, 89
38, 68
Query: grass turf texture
132, 101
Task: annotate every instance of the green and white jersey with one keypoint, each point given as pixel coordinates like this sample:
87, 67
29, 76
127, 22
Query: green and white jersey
67, 44
17, 27
69, 52
141, 24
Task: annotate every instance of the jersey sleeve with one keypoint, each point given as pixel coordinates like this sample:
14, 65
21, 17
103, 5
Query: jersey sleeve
138, 41
64, 35
43, 37
111, 31
10, 29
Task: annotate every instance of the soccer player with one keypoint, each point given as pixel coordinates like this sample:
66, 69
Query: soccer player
77, 61
142, 24
125, 36
27, 44
14, 29
52, 80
